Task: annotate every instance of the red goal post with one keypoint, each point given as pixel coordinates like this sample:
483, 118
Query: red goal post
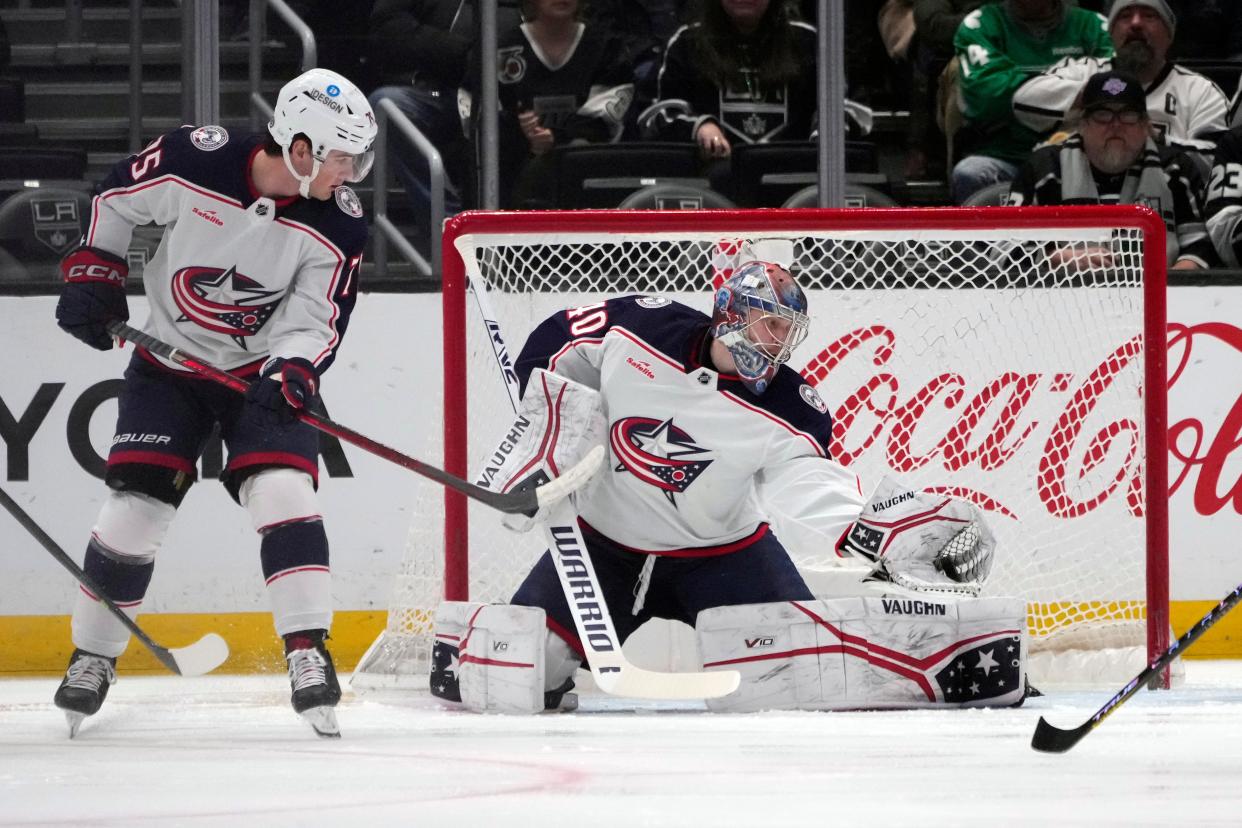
1013, 356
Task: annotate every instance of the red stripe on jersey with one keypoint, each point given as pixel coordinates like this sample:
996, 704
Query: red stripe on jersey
137, 188
685, 552
152, 458
274, 458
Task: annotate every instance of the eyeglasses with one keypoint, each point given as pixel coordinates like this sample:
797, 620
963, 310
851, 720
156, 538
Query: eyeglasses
1104, 117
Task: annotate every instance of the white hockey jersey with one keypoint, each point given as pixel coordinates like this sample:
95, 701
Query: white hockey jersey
236, 277
1183, 105
697, 464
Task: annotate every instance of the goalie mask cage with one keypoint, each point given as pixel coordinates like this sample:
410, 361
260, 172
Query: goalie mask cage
1011, 356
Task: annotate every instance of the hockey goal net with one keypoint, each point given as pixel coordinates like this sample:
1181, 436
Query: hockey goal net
1012, 356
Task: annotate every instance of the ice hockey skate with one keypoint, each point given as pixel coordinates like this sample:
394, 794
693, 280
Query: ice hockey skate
313, 679
84, 687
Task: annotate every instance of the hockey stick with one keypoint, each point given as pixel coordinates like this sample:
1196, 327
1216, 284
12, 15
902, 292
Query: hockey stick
526, 500
1051, 739
613, 673
203, 656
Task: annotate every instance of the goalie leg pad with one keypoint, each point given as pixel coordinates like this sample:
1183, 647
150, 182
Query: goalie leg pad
871, 652
557, 424
500, 658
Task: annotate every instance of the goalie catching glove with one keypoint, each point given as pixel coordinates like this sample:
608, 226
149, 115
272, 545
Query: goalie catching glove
922, 541
557, 425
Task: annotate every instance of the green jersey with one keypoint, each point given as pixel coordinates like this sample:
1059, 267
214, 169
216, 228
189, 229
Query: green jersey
996, 54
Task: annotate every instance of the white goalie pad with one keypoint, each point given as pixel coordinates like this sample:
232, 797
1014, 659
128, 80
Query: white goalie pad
868, 653
922, 541
490, 656
557, 424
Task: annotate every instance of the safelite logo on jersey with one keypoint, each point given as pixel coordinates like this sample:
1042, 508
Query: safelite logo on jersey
210, 215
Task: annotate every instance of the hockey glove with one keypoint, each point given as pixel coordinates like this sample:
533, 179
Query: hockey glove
286, 386
93, 295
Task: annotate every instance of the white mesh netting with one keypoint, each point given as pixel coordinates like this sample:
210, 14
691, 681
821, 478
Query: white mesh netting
1000, 364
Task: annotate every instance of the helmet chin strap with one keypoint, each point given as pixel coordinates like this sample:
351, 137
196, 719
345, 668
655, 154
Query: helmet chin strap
304, 181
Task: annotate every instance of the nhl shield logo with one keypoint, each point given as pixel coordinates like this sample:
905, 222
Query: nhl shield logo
209, 138
57, 223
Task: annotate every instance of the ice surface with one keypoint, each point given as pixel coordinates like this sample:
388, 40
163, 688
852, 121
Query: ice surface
229, 751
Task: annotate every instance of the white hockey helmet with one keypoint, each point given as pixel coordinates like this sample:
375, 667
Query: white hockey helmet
333, 114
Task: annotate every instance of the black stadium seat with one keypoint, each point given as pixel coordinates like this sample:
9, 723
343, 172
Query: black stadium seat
676, 197
38, 226
601, 175
765, 175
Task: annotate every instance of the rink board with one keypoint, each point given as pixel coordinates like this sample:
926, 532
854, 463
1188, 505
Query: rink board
387, 385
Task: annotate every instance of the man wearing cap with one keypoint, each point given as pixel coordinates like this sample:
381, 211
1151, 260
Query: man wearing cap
1113, 159
998, 46
1183, 105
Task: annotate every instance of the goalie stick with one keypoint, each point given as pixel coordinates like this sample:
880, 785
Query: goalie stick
203, 656
527, 500
614, 674
1050, 739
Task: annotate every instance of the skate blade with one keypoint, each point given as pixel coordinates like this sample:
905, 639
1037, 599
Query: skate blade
323, 721
75, 720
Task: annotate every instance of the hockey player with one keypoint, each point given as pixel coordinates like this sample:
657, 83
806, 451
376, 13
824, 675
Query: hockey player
704, 424
257, 271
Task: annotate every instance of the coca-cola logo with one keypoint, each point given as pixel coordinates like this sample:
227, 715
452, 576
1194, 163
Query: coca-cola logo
1192, 446
1071, 436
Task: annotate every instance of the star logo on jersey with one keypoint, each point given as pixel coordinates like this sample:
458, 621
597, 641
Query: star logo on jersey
658, 453
223, 301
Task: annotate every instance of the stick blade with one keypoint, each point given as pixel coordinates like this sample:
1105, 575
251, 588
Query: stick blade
634, 682
201, 657
1049, 739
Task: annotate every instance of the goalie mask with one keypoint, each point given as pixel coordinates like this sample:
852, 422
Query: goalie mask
759, 314
333, 114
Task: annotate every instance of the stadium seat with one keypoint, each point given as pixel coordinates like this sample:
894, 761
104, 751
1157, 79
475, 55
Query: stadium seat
765, 175
39, 225
600, 175
856, 195
993, 195
676, 197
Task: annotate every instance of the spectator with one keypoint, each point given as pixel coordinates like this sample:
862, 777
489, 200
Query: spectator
1183, 105
998, 47
423, 49
935, 24
1113, 159
744, 71
1224, 199
643, 26
560, 82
